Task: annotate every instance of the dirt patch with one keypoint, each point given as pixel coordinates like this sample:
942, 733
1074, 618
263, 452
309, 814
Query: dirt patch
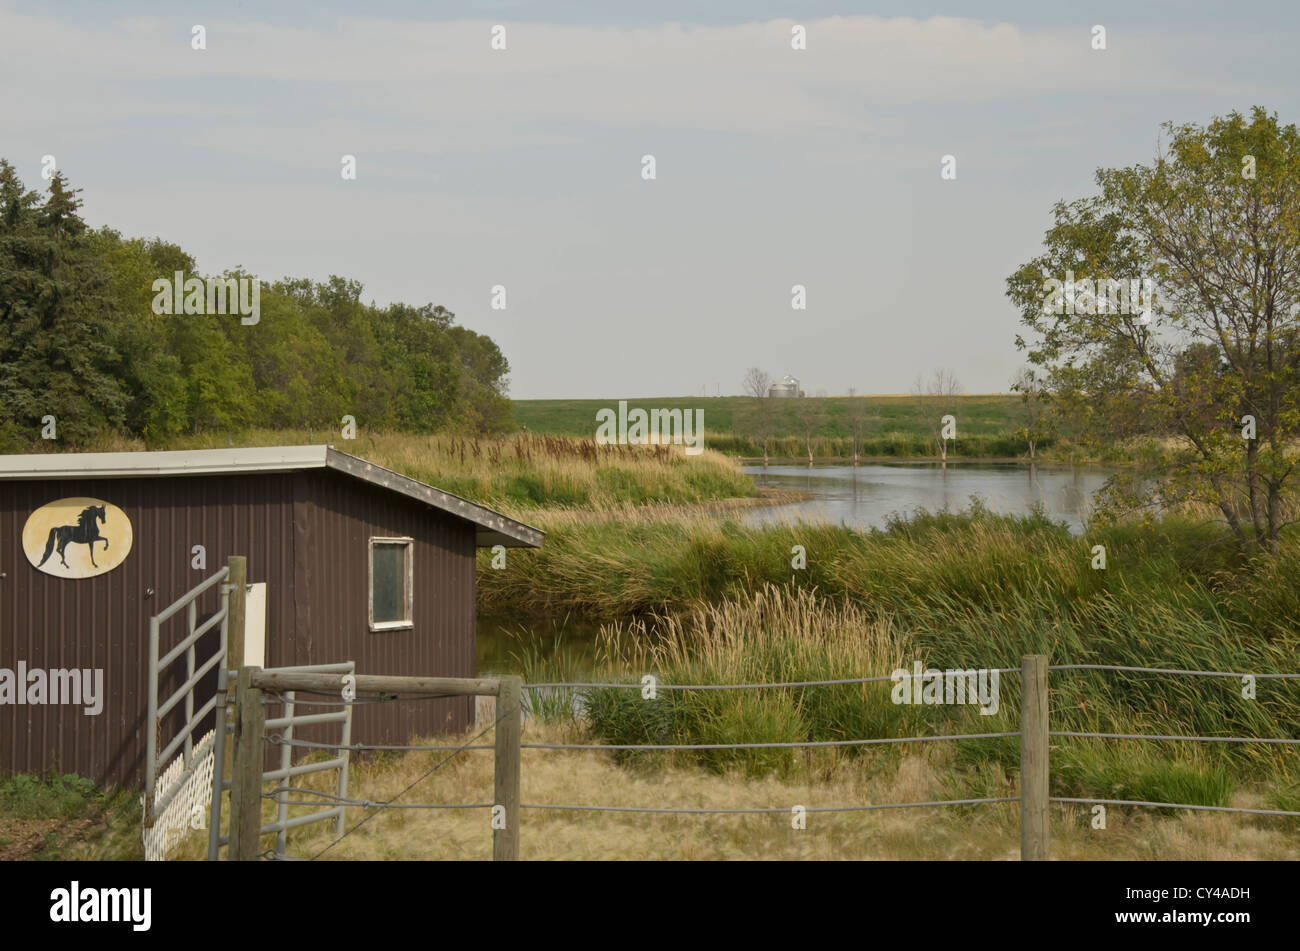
28, 839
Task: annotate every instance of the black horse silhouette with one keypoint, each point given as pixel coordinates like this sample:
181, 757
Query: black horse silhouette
85, 532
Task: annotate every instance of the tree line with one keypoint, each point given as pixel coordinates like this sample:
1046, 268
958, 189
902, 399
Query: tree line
80, 341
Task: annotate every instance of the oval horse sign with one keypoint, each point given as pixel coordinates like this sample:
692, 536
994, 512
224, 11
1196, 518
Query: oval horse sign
77, 538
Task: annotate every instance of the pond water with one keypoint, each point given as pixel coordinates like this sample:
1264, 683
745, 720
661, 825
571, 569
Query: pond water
863, 497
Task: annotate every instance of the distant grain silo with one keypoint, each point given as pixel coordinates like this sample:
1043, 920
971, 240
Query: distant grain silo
788, 386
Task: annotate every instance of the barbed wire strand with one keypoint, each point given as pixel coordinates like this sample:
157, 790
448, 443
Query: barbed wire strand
276, 698
792, 683
755, 810
437, 766
760, 746
795, 744
1174, 805
781, 809
1168, 670
1195, 739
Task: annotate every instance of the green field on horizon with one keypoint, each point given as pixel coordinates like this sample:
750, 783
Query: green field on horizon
914, 416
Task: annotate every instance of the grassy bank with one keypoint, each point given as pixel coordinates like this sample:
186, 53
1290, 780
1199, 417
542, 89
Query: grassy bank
516, 473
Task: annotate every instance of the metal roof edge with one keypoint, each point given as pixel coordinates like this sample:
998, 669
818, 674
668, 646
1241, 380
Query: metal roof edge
494, 528
107, 465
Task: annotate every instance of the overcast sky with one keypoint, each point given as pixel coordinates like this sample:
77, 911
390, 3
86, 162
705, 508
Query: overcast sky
523, 167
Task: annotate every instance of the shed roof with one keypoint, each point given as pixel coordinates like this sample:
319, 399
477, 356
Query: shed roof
493, 528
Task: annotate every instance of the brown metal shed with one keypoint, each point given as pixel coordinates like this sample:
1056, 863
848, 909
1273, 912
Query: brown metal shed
305, 517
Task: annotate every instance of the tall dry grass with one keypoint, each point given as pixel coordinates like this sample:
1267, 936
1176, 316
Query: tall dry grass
783, 635
972, 832
516, 473
733, 641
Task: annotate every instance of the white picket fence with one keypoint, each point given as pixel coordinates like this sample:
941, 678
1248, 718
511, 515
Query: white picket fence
188, 808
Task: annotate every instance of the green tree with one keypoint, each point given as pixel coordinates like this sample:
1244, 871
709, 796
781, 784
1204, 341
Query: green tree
56, 316
152, 376
1034, 417
1214, 224
484, 379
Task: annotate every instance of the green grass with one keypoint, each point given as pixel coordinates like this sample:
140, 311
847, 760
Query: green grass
88, 822
902, 426
963, 590
1136, 771
888, 425
788, 634
58, 797
833, 416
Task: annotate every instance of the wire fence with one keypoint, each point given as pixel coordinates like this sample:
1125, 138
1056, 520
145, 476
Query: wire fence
309, 797
661, 747
624, 685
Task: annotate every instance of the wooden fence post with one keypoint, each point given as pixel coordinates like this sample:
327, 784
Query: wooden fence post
246, 778
1034, 828
238, 582
505, 841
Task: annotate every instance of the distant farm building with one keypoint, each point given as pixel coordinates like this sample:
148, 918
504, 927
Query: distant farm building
788, 386
347, 561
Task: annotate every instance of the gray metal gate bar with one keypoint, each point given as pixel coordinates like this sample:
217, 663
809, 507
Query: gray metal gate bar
286, 723
154, 805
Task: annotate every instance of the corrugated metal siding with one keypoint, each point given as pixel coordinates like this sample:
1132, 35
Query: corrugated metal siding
305, 534
52, 622
336, 517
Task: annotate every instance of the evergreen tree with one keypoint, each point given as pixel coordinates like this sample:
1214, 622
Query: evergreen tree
56, 316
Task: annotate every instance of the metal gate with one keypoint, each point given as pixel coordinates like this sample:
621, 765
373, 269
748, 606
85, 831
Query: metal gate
176, 795
283, 727
183, 774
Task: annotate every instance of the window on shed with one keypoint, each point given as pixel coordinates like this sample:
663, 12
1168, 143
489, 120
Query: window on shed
390, 583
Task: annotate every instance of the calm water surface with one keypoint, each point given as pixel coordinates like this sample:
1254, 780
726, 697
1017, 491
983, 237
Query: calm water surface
863, 497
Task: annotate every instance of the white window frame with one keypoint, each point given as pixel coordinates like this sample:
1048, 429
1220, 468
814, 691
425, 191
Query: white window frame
409, 622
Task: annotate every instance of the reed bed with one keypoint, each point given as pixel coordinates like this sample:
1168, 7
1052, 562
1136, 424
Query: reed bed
516, 473
710, 601
782, 635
